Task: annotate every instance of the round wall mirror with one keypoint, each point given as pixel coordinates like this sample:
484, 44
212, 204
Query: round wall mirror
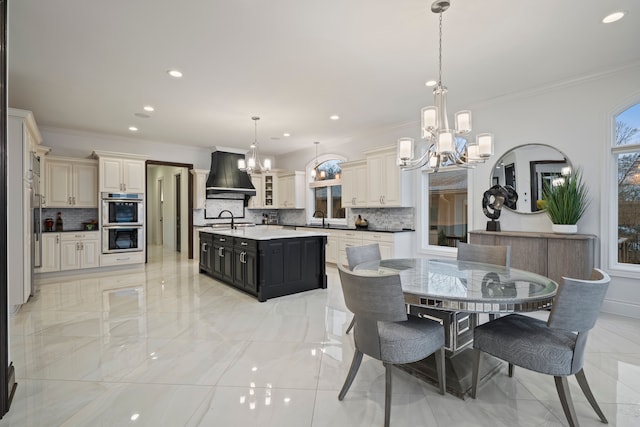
526, 168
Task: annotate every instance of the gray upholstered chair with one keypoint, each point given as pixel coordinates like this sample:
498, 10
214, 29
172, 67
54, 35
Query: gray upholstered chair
385, 332
497, 255
357, 255
555, 347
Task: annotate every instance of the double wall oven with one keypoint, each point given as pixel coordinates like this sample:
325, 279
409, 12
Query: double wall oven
122, 222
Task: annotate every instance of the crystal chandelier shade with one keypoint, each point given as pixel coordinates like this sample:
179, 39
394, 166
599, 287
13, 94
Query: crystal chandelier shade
445, 145
253, 163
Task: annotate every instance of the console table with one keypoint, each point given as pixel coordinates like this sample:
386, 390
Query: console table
549, 254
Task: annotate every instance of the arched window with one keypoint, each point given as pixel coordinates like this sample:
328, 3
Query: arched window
626, 159
326, 186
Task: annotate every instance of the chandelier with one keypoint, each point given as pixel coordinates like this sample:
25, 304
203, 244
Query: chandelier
444, 145
253, 163
314, 172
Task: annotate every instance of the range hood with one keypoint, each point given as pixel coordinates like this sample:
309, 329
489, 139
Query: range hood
226, 178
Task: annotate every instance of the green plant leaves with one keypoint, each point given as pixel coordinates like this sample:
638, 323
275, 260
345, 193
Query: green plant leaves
568, 201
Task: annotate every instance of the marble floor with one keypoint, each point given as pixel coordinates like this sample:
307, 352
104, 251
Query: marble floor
165, 346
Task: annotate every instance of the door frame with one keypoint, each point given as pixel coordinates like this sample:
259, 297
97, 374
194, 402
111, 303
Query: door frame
189, 167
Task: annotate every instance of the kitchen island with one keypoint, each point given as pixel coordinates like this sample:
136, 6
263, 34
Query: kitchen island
264, 263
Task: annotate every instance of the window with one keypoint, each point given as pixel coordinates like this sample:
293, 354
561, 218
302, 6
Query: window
327, 189
447, 194
626, 153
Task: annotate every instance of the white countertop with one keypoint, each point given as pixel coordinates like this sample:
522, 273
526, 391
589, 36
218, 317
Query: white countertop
259, 233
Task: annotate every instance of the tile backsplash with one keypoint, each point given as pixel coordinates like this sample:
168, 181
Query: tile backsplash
72, 218
384, 218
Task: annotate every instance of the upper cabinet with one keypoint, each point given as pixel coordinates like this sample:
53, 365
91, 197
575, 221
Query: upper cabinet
199, 188
388, 186
121, 173
71, 183
269, 194
290, 190
354, 184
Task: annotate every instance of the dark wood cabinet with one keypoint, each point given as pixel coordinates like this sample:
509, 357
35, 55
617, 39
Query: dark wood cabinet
245, 265
206, 252
267, 268
222, 267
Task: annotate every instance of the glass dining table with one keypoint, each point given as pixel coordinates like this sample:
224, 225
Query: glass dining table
454, 293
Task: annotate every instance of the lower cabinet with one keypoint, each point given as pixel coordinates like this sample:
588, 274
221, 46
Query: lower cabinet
549, 254
206, 252
245, 264
79, 250
125, 258
392, 244
265, 268
50, 253
70, 251
222, 258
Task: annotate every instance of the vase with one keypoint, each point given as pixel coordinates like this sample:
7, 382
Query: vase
564, 228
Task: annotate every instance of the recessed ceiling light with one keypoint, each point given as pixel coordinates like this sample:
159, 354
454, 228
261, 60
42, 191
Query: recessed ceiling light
286, 134
334, 117
613, 17
148, 108
133, 129
431, 83
175, 73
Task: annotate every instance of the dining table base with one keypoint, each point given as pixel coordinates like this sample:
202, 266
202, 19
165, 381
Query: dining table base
458, 370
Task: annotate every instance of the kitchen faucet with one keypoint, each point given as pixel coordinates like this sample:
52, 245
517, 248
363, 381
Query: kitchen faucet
323, 216
233, 227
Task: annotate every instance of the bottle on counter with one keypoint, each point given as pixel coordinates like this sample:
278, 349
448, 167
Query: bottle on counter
59, 222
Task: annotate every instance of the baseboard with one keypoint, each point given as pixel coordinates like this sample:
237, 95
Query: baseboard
621, 308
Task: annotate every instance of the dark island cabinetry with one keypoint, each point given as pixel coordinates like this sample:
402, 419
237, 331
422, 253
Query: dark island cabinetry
266, 266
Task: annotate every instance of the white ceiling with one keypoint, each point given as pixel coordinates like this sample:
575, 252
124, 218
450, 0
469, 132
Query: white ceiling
90, 65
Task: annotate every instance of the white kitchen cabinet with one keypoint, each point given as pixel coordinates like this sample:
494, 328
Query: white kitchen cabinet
290, 190
354, 184
50, 253
257, 201
269, 199
199, 188
71, 183
392, 244
121, 173
79, 250
125, 258
388, 185
22, 138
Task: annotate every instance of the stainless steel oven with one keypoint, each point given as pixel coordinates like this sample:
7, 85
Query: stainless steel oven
122, 238
122, 209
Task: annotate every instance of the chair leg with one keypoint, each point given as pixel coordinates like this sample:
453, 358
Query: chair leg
440, 369
353, 370
387, 394
562, 386
584, 385
477, 354
510, 370
353, 322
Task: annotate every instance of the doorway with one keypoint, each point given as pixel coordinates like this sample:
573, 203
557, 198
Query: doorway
178, 211
170, 206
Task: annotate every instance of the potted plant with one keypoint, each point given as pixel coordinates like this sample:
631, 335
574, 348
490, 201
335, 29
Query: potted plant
566, 200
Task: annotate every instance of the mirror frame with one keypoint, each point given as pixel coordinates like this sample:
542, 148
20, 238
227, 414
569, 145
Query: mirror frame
534, 165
